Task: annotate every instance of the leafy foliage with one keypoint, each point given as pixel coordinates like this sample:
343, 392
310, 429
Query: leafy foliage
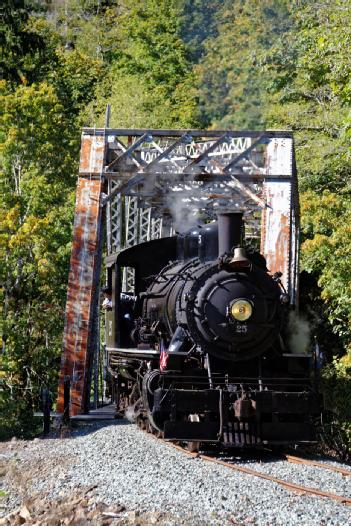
35, 224
311, 95
311, 92
150, 82
198, 24
326, 220
232, 79
336, 387
40, 126
91, 27
20, 48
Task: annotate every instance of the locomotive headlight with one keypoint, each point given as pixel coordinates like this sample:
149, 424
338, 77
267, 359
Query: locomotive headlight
241, 310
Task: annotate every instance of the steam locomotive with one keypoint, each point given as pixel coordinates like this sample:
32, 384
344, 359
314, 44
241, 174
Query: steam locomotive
199, 349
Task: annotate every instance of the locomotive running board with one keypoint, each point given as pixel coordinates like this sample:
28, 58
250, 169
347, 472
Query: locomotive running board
139, 354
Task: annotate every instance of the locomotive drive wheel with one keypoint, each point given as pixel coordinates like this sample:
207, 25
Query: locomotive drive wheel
193, 446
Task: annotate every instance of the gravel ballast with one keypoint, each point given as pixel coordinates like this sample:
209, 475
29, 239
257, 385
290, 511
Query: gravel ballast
130, 468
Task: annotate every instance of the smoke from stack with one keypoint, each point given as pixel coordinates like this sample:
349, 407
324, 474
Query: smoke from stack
183, 216
299, 333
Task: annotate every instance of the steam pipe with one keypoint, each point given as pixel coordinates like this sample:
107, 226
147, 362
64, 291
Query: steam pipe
229, 231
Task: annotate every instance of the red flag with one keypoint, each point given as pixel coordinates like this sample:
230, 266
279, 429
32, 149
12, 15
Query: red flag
163, 356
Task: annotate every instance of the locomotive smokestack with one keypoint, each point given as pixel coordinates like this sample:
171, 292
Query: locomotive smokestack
229, 231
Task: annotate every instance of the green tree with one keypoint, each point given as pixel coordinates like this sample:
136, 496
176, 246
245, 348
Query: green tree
90, 26
310, 93
198, 23
326, 223
150, 81
336, 387
39, 161
20, 48
232, 79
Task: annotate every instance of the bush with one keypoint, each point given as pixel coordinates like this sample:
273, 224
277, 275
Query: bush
15, 421
336, 390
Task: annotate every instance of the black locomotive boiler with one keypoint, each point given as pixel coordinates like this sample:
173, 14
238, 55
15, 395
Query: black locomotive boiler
199, 349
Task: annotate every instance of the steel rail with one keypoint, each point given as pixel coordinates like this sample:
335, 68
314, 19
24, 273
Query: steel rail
297, 488
290, 485
307, 462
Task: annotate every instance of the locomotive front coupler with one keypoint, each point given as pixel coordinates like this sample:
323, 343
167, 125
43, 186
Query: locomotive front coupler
244, 407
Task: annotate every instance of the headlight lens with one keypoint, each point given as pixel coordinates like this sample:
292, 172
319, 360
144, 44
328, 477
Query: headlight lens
241, 310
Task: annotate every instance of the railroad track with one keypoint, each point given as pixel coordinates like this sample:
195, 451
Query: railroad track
296, 488
308, 462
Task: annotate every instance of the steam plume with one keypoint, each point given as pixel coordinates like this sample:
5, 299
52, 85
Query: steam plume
184, 217
299, 333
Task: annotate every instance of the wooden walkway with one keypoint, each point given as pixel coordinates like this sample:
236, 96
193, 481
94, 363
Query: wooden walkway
107, 412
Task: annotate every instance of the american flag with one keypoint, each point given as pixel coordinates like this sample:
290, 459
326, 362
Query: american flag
163, 356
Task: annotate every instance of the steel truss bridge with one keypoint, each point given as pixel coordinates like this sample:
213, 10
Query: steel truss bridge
135, 185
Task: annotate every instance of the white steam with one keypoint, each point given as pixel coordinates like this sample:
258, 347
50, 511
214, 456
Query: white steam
129, 414
183, 211
299, 333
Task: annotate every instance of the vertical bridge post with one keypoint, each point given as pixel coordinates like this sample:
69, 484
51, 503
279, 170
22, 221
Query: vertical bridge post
45, 395
83, 282
280, 219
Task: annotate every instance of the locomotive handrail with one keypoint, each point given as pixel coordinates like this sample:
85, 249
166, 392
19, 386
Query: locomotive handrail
278, 385
133, 352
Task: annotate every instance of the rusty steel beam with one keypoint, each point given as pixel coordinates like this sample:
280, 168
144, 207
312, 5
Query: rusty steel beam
79, 339
137, 132
279, 223
77, 352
